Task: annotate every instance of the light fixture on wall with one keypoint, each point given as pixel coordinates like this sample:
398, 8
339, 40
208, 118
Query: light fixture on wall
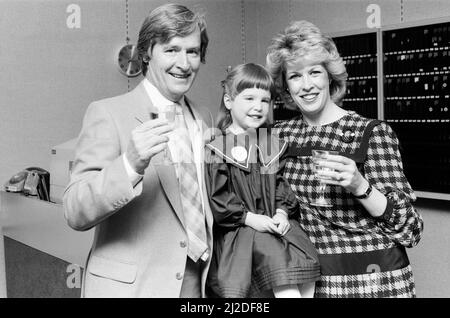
128, 61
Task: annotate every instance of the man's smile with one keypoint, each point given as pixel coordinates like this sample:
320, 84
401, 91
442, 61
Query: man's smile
180, 76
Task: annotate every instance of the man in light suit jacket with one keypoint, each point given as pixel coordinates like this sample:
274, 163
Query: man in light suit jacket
122, 185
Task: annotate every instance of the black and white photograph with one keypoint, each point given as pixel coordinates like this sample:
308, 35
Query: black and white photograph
225, 154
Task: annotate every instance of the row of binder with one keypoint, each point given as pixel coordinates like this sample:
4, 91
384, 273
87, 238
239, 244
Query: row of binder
426, 85
366, 44
417, 109
361, 66
416, 37
361, 88
417, 62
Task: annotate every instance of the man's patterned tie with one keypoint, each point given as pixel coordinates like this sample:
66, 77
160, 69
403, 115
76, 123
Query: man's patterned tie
190, 190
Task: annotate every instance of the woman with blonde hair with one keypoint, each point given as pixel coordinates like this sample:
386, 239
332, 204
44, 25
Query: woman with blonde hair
368, 219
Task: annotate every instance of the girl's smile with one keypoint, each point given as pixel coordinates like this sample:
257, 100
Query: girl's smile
249, 109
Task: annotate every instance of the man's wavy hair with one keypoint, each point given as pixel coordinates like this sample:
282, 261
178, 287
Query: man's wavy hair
302, 38
166, 22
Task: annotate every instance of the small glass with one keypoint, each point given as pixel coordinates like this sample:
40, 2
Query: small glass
168, 113
319, 155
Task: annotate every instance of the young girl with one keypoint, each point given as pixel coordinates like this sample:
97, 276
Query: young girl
258, 245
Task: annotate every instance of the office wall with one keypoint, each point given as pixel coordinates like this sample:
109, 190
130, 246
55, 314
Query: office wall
431, 258
50, 72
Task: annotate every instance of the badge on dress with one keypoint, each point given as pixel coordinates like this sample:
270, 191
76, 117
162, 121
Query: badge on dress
239, 153
348, 135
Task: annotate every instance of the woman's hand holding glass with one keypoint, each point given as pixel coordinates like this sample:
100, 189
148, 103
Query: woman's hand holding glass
342, 171
318, 157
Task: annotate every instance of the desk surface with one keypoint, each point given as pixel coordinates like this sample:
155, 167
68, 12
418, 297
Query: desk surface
42, 225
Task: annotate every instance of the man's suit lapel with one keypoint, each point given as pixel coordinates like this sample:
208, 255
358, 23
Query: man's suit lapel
166, 172
169, 182
145, 106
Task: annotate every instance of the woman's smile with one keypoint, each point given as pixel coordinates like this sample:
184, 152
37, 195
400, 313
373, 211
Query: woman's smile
309, 98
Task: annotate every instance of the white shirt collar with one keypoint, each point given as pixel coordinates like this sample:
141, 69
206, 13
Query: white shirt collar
157, 99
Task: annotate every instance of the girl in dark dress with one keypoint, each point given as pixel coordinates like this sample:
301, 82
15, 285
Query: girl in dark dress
259, 247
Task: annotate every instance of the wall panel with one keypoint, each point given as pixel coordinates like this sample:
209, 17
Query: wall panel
414, 10
50, 73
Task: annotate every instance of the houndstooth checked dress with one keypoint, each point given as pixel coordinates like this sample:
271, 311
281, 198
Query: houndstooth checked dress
346, 229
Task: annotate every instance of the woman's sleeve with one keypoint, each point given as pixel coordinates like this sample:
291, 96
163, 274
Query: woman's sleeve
228, 210
285, 198
384, 170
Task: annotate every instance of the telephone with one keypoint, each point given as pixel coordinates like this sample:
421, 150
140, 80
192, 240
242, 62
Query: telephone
32, 181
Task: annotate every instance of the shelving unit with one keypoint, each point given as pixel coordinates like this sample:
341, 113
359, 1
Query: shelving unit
416, 68
400, 74
361, 64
